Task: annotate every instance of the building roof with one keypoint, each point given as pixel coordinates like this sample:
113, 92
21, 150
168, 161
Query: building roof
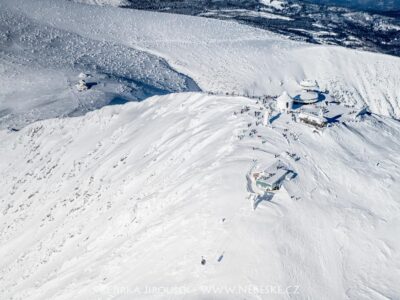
309, 84
306, 96
312, 118
274, 173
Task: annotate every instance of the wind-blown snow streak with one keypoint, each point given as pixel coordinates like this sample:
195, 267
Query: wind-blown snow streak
106, 204
228, 57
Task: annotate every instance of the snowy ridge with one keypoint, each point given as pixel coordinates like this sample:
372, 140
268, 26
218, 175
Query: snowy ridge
40, 66
205, 49
103, 205
156, 194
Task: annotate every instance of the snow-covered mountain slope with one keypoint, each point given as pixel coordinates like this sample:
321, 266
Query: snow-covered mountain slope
131, 197
39, 67
310, 21
227, 57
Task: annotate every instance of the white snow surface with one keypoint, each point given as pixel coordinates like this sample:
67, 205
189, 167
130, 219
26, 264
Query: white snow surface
131, 197
123, 202
40, 66
223, 56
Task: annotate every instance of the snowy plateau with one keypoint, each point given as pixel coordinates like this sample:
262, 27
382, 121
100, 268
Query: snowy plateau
138, 184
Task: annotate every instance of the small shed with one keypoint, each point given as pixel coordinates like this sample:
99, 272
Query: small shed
284, 102
82, 85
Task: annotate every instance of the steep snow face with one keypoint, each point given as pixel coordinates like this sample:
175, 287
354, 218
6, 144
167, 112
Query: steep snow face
228, 57
128, 197
39, 67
